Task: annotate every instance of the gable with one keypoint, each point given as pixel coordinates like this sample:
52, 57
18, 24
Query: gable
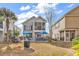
39, 19
74, 12
28, 20
35, 19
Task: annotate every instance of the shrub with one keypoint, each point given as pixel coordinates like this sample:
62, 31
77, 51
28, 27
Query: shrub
75, 41
77, 53
76, 47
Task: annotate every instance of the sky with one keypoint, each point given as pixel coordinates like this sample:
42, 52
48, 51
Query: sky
27, 10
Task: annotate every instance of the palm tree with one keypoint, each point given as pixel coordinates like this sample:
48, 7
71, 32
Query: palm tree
7, 16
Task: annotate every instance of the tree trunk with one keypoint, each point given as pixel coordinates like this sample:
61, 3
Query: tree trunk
50, 33
7, 30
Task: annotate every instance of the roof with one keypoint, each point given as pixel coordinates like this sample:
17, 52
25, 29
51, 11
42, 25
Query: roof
64, 16
36, 32
42, 33
24, 33
34, 17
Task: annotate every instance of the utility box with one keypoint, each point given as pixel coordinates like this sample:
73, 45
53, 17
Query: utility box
26, 43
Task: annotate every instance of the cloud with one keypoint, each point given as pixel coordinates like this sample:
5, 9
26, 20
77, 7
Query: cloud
23, 8
60, 11
24, 16
72, 4
40, 7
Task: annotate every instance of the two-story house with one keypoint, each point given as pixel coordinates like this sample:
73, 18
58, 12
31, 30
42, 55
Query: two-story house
67, 27
34, 27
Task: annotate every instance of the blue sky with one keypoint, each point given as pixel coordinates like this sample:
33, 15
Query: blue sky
26, 10
20, 8
15, 7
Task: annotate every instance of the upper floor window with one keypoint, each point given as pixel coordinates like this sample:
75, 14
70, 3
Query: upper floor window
28, 28
39, 26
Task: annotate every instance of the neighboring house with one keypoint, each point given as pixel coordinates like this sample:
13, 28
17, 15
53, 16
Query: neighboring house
34, 28
67, 27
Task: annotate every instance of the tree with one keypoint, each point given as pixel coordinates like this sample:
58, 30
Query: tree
7, 15
49, 15
16, 32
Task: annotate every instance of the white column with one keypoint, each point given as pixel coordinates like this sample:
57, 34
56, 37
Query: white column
69, 36
33, 33
76, 31
64, 35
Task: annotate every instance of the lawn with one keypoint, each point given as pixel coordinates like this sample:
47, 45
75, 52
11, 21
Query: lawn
46, 49
37, 49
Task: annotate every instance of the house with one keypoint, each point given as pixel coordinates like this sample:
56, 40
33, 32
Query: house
34, 28
67, 28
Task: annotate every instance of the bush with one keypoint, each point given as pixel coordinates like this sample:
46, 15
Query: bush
77, 53
75, 41
75, 46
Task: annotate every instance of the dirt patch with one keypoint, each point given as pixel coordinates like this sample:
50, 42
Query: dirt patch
62, 44
37, 49
21, 51
46, 49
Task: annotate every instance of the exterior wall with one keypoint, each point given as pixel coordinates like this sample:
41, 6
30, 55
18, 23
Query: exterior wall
56, 29
72, 22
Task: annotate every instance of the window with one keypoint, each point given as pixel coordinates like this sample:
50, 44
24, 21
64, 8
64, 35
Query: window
39, 26
43, 26
72, 34
67, 34
62, 35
